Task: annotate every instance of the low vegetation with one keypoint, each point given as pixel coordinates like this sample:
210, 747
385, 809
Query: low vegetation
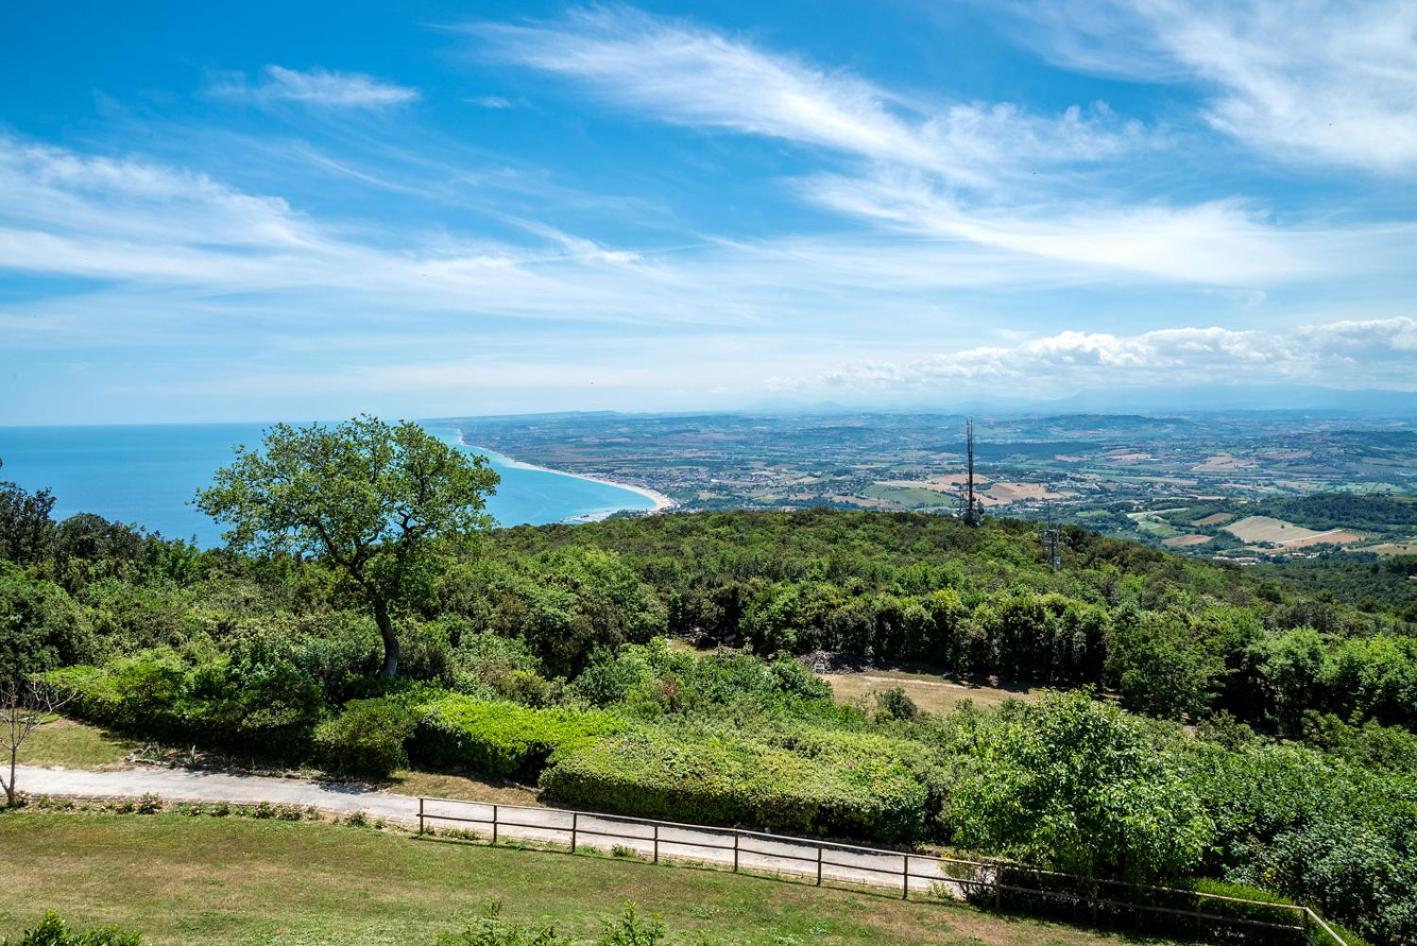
537, 655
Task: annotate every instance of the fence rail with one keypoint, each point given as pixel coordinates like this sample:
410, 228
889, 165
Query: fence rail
996, 884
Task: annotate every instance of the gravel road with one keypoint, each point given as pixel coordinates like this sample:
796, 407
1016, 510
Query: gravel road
700, 845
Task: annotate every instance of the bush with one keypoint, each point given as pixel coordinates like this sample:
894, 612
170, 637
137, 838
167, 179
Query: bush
503, 739
1079, 786
492, 930
368, 738
631, 929
895, 703
41, 628
253, 697
824, 783
52, 931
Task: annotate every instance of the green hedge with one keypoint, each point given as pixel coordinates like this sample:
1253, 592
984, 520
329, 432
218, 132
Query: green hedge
824, 783
254, 697
503, 739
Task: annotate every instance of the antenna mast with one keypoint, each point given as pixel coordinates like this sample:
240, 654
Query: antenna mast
1050, 545
971, 505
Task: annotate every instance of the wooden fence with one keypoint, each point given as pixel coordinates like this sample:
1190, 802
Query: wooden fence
990, 884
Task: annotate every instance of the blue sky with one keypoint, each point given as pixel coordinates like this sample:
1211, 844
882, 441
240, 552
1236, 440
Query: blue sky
258, 210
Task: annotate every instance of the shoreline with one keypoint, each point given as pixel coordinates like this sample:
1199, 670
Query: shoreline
661, 501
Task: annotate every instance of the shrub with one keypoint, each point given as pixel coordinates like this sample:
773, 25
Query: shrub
504, 739
41, 627
895, 703
52, 931
367, 738
1077, 785
631, 929
253, 697
492, 930
825, 783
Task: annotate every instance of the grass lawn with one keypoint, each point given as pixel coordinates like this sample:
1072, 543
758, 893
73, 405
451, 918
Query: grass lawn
185, 879
76, 745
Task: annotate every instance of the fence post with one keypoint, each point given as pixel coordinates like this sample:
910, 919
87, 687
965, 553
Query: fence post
735, 852
819, 865
998, 888
420, 816
905, 879
494, 824
575, 825
656, 844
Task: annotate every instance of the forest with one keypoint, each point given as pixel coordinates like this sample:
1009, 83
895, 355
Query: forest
1206, 726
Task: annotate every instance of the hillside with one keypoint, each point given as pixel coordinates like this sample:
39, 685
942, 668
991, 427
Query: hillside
538, 657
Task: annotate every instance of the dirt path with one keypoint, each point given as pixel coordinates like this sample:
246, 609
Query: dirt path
703, 845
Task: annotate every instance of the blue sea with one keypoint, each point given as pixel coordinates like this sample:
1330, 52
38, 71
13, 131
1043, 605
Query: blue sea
147, 475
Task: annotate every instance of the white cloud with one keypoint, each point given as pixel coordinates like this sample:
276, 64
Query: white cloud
491, 101
1220, 243
1373, 353
699, 78
316, 87
992, 175
1321, 80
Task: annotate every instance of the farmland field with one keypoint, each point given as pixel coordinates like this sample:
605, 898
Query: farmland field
1260, 529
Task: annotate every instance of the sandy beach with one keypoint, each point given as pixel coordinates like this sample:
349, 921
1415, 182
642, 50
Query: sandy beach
661, 501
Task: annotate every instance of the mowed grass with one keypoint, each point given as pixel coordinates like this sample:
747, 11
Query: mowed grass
76, 745
184, 879
930, 692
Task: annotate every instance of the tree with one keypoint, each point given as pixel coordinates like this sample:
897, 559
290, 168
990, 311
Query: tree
25, 526
373, 499
22, 711
41, 628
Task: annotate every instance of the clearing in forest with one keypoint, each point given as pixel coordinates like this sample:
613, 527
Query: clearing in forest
930, 692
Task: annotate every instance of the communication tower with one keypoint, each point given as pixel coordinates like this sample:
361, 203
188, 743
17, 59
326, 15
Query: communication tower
972, 512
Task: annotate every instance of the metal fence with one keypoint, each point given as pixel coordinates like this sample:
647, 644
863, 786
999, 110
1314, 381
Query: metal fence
997, 885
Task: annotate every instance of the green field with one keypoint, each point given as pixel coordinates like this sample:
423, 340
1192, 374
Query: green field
184, 879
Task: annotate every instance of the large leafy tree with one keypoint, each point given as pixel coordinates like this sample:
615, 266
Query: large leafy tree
25, 526
374, 500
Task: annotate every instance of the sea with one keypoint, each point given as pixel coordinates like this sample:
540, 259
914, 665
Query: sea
147, 475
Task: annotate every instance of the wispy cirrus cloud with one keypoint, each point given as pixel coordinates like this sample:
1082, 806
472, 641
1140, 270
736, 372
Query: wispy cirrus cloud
696, 77
1330, 81
995, 175
315, 87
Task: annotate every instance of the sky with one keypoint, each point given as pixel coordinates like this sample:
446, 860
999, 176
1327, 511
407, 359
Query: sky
299, 210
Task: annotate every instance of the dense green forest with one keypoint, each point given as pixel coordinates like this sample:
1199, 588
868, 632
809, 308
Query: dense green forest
1221, 725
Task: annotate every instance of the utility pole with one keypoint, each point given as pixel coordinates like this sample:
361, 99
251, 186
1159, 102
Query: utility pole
971, 505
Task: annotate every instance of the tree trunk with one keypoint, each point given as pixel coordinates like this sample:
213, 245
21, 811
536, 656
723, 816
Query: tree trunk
391, 643
10, 785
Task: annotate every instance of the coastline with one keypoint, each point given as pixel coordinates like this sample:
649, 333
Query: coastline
661, 501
